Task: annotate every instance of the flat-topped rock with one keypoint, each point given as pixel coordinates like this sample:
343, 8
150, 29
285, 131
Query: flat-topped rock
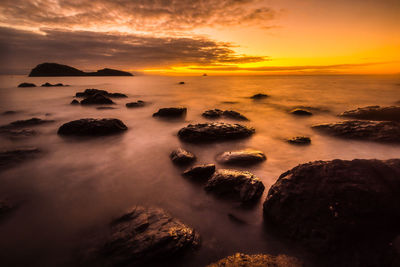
378, 131
182, 157
200, 172
170, 112
257, 260
27, 85
136, 104
146, 236
300, 112
10, 158
241, 185
217, 113
376, 113
241, 157
92, 127
259, 96
211, 132
300, 140
97, 99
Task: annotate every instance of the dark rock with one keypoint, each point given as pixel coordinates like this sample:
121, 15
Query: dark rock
92, 127
102, 108
300, 140
217, 113
257, 260
136, 104
181, 82
25, 123
9, 112
146, 236
182, 157
300, 112
92, 92
17, 133
259, 96
210, 132
117, 95
52, 85
54, 69
374, 113
75, 102
10, 158
109, 72
170, 112
212, 113
200, 171
338, 207
26, 85
97, 99
242, 157
236, 184
384, 131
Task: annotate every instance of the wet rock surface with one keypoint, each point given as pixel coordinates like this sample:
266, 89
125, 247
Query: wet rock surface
241, 185
300, 112
136, 104
300, 140
374, 113
146, 236
211, 132
217, 113
180, 156
170, 112
257, 260
347, 209
92, 127
378, 131
200, 172
241, 157
27, 85
92, 92
97, 99
259, 96
10, 158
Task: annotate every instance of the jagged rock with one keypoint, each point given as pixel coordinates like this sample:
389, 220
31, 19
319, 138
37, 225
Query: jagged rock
200, 171
92, 92
170, 112
52, 85
97, 99
259, 96
241, 185
300, 140
210, 132
379, 131
182, 157
242, 157
217, 113
257, 260
374, 113
136, 104
10, 158
92, 127
300, 112
75, 102
26, 85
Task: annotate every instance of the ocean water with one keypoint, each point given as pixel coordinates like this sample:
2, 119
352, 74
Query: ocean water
79, 185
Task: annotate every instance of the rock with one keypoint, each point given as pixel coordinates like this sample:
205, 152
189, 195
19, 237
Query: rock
26, 85
212, 113
24, 123
117, 95
146, 236
384, 131
92, 127
52, 85
170, 112
97, 99
242, 157
182, 157
200, 171
54, 69
103, 108
338, 207
236, 184
92, 92
9, 112
136, 104
17, 133
181, 82
10, 158
300, 140
257, 260
259, 96
75, 102
374, 113
217, 113
210, 132
300, 112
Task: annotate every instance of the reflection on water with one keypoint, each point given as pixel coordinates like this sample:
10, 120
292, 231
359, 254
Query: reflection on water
81, 184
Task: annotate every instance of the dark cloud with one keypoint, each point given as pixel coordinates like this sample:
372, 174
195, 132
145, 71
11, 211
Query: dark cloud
93, 50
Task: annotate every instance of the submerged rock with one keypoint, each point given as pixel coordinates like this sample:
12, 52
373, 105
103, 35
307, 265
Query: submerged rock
170, 112
259, 96
182, 157
146, 236
92, 127
210, 132
374, 113
217, 113
75, 102
242, 157
9, 112
257, 260
97, 99
200, 171
241, 185
52, 85
300, 112
10, 158
384, 131
27, 85
339, 206
24, 123
136, 104
300, 140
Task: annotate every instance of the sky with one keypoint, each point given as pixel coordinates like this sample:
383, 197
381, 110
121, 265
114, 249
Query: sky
205, 36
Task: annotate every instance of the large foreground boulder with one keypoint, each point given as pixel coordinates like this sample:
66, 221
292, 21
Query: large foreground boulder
240, 185
346, 209
376, 113
146, 237
257, 260
92, 127
379, 131
241, 157
10, 158
170, 112
218, 131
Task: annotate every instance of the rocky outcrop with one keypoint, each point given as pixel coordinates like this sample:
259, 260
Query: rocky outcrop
10, 158
52, 85
92, 127
259, 96
75, 102
240, 185
241, 157
136, 104
97, 99
92, 92
26, 85
170, 112
54, 69
200, 172
384, 131
300, 140
376, 113
182, 157
211, 132
300, 112
230, 114
257, 260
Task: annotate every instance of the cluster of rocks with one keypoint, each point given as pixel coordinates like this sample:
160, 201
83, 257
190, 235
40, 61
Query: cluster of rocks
47, 84
22, 128
96, 97
230, 114
257, 260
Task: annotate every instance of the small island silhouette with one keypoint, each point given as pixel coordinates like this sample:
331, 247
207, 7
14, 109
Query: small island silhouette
55, 69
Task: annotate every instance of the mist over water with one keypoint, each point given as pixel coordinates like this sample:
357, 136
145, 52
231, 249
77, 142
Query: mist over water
79, 185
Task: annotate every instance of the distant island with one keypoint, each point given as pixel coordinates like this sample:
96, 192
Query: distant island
54, 69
